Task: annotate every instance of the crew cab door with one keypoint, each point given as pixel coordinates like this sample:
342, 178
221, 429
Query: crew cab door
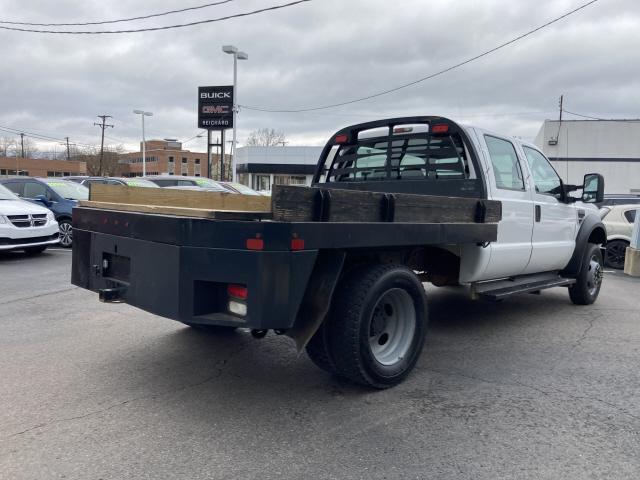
555, 222
505, 180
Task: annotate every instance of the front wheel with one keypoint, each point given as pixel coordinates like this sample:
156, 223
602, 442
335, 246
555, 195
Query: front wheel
377, 325
587, 287
66, 233
615, 253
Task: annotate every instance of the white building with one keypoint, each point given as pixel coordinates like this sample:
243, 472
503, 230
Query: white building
608, 147
262, 167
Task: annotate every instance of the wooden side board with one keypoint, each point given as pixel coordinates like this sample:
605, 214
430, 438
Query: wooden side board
176, 198
303, 204
178, 211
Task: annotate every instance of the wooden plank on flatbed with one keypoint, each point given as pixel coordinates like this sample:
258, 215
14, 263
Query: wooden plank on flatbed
178, 211
170, 197
301, 204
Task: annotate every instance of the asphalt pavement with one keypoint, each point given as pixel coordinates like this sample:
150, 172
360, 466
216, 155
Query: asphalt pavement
529, 388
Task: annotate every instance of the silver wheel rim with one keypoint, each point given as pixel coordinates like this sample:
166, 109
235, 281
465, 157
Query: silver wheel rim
392, 327
594, 276
66, 234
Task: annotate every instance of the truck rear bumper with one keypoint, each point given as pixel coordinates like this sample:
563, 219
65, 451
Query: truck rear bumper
189, 284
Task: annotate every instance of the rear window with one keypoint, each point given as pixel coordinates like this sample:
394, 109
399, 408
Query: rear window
418, 155
630, 215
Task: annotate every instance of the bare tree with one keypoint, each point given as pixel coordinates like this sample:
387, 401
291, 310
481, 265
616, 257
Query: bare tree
91, 156
266, 137
7, 146
29, 147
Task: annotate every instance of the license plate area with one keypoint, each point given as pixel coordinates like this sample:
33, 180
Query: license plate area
116, 267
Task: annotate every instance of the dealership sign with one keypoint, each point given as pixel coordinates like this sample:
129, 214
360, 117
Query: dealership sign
215, 107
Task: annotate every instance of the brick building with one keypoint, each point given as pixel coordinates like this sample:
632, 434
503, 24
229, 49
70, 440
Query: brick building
37, 167
165, 157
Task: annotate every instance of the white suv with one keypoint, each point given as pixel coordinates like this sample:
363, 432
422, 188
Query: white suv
25, 226
619, 222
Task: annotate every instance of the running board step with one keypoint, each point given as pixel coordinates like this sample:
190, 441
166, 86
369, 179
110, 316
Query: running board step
505, 288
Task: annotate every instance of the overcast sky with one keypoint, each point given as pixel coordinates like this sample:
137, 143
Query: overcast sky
316, 53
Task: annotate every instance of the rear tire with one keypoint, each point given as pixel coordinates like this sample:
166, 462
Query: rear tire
587, 287
615, 253
377, 325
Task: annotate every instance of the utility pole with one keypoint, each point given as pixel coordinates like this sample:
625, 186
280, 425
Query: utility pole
68, 152
560, 105
102, 125
22, 143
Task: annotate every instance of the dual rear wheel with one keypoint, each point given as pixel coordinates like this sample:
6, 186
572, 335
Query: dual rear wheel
376, 327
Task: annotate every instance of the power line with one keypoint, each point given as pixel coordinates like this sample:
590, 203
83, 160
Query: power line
428, 77
583, 116
37, 136
152, 29
144, 17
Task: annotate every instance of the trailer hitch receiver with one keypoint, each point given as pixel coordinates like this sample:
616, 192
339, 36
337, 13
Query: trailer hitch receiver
111, 295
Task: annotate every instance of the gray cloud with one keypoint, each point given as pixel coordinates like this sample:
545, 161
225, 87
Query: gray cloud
318, 53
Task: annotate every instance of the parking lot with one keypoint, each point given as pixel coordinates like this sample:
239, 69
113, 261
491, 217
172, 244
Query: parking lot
532, 387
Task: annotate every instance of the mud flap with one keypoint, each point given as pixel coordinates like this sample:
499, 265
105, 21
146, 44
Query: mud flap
317, 297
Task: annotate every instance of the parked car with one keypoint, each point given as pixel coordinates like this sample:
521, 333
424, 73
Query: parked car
182, 181
25, 226
59, 196
132, 182
618, 219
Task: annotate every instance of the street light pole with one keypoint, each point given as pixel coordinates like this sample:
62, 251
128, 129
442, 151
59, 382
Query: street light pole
235, 117
143, 114
237, 55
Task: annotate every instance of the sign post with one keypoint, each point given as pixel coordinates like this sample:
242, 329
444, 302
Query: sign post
215, 112
632, 255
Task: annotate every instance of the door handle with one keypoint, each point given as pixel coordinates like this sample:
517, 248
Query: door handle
538, 213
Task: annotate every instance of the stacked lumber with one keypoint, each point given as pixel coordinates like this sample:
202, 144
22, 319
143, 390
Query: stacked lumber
186, 203
303, 204
297, 204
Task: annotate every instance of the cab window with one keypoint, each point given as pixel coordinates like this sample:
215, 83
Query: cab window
16, 187
33, 189
545, 177
506, 167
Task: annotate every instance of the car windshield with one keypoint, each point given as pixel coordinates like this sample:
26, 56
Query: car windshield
139, 182
6, 194
69, 190
243, 189
210, 184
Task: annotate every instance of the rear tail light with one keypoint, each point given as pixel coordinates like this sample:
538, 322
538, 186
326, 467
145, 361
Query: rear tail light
440, 128
297, 244
237, 291
341, 138
255, 244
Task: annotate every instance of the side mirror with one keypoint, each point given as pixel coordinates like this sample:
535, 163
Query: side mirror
593, 188
42, 199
